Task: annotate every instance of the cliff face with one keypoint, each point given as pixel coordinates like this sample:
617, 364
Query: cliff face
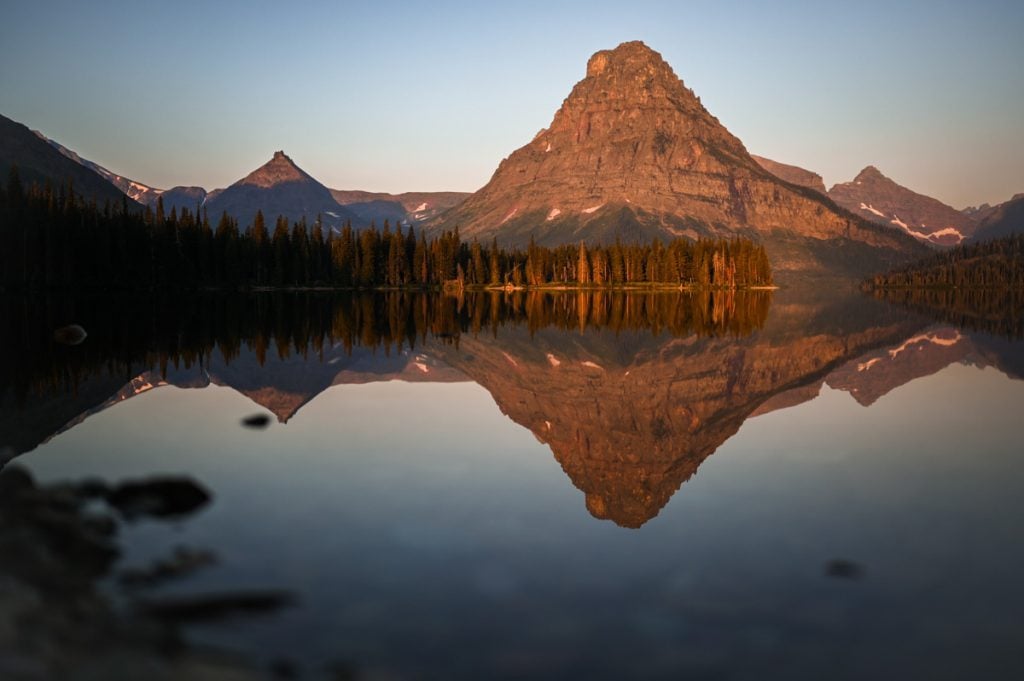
793, 174
633, 153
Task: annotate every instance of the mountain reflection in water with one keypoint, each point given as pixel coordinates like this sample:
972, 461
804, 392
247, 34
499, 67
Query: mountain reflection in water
631, 392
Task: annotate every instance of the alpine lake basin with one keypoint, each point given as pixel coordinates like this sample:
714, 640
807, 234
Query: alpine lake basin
792, 484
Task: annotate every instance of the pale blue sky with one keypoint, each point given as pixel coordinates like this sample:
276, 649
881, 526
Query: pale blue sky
398, 96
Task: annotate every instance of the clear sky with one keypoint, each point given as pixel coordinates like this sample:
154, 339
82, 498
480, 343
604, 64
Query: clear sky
394, 96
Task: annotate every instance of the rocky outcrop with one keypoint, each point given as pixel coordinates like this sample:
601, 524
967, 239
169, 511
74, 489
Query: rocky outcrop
633, 154
792, 174
875, 197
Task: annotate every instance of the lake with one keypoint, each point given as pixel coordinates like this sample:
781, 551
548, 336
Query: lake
798, 484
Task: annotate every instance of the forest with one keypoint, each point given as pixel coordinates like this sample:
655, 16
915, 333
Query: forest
997, 264
52, 240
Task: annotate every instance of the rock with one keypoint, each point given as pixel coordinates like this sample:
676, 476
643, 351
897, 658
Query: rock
158, 497
256, 421
73, 334
184, 561
217, 606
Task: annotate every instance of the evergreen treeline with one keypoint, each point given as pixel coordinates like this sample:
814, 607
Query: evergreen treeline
130, 335
50, 239
995, 310
990, 264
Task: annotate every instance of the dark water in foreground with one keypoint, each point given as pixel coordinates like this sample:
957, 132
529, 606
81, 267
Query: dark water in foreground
786, 485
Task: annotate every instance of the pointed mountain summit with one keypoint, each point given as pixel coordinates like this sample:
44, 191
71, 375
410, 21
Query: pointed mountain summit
875, 197
278, 170
278, 187
633, 153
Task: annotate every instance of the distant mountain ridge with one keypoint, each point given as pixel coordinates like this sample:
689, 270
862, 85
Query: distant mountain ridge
137, 191
408, 207
875, 197
335, 205
39, 162
633, 154
1002, 220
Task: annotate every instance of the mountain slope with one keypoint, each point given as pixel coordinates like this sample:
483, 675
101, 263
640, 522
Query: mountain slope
278, 187
1004, 220
632, 153
792, 174
183, 197
412, 207
38, 163
142, 193
874, 196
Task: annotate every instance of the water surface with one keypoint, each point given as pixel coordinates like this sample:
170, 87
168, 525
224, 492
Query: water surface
793, 485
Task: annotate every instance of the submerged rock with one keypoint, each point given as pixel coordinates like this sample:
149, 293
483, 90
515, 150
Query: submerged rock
256, 421
73, 334
158, 497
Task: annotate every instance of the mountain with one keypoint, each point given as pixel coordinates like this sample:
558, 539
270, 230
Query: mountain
1003, 220
875, 197
878, 372
978, 213
39, 162
630, 417
142, 193
409, 207
278, 187
633, 154
183, 197
792, 174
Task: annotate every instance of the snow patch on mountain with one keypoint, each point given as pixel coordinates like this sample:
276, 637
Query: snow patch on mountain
925, 338
871, 209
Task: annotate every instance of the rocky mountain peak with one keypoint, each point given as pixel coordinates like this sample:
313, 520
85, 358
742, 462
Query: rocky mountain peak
633, 154
280, 168
632, 56
880, 199
870, 174
627, 80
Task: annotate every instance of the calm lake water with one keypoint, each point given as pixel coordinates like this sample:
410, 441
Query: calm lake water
791, 485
